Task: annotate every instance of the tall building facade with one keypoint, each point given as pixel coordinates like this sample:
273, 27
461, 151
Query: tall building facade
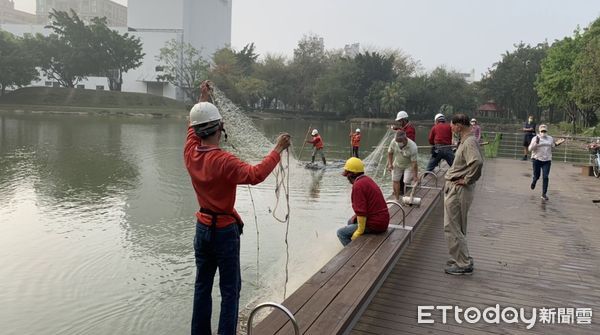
8, 14
205, 24
116, 14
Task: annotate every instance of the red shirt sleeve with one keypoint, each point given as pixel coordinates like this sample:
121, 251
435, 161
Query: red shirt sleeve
432, 135
192, 141
237, 171
410, 132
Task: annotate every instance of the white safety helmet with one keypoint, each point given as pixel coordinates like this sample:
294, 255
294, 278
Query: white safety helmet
314, 132
437, 116
358, 130
401, 115
204, 112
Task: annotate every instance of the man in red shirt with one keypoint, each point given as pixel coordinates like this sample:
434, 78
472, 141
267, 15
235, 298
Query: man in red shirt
440, 138
368, 203
317, 143
355, 139
215, 175
402, 123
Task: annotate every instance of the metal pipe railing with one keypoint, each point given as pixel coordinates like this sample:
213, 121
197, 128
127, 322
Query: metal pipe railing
274, 305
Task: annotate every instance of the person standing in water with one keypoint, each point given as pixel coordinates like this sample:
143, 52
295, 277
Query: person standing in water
355, 139
317, 143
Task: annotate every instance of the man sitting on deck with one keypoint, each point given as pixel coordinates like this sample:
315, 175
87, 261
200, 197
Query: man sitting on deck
368, 203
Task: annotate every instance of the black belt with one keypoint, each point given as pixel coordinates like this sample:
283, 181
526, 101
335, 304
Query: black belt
214, 215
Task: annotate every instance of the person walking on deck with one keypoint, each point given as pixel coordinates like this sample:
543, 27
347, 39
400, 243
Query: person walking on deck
215, 175
371, 214
402, 162
476, 130
529, 133
317, 143
541, 156
355, 139
440, 138
458, 195
402, 123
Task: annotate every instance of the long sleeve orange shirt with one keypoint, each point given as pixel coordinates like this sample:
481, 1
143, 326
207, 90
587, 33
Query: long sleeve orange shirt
215, 175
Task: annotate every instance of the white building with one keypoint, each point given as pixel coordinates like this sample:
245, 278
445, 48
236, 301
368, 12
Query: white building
206, 24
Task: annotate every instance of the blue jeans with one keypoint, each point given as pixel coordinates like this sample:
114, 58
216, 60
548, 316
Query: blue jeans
218, 248
345, 233
437, 154
545, 167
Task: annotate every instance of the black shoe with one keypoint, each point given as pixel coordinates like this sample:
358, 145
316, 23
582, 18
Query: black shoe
533, 185
524, 158
544, 197
458, 271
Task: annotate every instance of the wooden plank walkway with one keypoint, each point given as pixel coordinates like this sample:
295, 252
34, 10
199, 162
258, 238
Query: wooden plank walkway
331, 301
527, 253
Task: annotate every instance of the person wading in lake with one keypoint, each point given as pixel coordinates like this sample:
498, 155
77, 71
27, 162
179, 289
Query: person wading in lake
317, 143
458, 195
215, 175
368, 203
355, 139
541, 157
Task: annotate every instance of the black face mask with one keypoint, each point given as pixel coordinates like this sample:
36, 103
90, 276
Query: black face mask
351, 178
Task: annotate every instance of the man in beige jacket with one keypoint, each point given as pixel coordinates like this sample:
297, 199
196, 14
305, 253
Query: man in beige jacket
458, 195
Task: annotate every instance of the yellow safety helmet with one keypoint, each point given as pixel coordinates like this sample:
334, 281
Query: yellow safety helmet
353, 165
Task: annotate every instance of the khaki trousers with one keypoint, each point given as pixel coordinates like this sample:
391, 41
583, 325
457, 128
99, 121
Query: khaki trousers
457, 200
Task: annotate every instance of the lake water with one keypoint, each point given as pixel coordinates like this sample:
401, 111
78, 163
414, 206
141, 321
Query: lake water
97, 222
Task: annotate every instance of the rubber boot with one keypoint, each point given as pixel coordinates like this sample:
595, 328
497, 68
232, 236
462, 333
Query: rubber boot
324, 162
312, 161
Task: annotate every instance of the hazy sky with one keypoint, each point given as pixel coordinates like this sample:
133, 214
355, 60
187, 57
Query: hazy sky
460, 34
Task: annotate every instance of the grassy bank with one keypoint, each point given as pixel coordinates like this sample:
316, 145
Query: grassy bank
82, 101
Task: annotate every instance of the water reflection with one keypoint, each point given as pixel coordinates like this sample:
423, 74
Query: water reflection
315, 184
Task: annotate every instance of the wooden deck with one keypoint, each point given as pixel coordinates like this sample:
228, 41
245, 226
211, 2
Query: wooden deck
331, 301
527, 253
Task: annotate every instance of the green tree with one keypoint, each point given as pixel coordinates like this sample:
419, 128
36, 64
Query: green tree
306, 67
511, 81
246, 59
68, 56
393, 98
273, 70
225, 72
115, 53
555, 82
17, 65
586, 68
183, 67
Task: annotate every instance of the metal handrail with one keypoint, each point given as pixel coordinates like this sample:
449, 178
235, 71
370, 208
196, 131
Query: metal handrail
402, 209
275, 305
429, 173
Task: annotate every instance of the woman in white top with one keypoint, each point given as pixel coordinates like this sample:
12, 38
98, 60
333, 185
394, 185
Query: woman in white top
541, 156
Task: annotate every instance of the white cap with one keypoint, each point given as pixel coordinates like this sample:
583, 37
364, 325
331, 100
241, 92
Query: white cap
204, 112
473, 120
437, 116
358, 130
543, 127
401, 115
314, 132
